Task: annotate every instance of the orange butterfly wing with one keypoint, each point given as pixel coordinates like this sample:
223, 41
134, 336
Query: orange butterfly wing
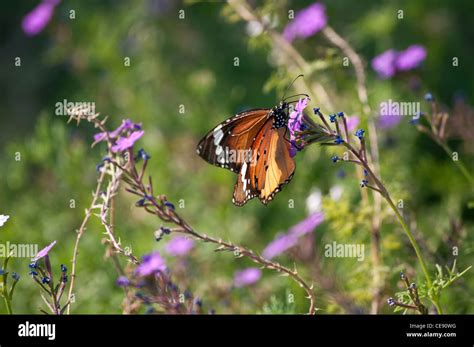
237, 134
271, 167
277, 167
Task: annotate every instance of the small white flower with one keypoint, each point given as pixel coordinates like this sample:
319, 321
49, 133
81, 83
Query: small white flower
336, 192
254, 28
314, 201
3, 219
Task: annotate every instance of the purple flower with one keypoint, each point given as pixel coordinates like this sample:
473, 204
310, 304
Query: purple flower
37, 19
389, 121
306, 23
247, 277
123, 281
286, 241
352, 123
281, 244
124, 143
127, 124
390, 62
307, 225
44, 252
99, 137
384, 64
151, 264
295, 121
410, 58
179, 246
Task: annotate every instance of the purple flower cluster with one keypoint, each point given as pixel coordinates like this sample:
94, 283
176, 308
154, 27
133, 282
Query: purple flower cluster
124, 136
289, 239
152, 263
295, 123
388, 63
153, 287
43, 276
306, 23
37, 19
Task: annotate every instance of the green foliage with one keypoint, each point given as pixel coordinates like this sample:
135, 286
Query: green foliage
278, 305
190, 63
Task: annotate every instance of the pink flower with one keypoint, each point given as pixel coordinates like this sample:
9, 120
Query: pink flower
295, 121
390, 62
151, 264
37, 19
281, 244
384, 64
44, 252
247, 277
389, 121
124, 143
410, 58
352, 123
307, 225
306, 23
179, 246
127, 124
288, 240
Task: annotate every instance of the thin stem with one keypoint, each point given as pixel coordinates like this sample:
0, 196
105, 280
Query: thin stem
385, 194
8, 304
458, 163
80, 232
172, 216
437, 135
268, 264
338, 41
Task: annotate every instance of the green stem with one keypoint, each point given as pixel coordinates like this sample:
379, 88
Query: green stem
459, 163
412, 240
437, 305
7, 303
434, 299
385, 194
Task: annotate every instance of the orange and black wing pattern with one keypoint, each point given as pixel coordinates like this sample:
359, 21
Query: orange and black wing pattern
266, 167
229, 141
270, 169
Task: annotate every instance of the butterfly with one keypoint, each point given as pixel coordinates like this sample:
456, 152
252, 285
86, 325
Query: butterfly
254, 145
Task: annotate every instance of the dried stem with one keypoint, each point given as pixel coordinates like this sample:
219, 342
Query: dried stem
167, 214
80, 232
112, 189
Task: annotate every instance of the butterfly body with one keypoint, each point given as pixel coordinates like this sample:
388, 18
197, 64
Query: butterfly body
280, 113
253, 144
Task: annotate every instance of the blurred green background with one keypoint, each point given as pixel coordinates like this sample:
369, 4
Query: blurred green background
190, 62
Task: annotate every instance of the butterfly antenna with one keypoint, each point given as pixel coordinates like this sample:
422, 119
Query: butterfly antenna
291, 96
288, 88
